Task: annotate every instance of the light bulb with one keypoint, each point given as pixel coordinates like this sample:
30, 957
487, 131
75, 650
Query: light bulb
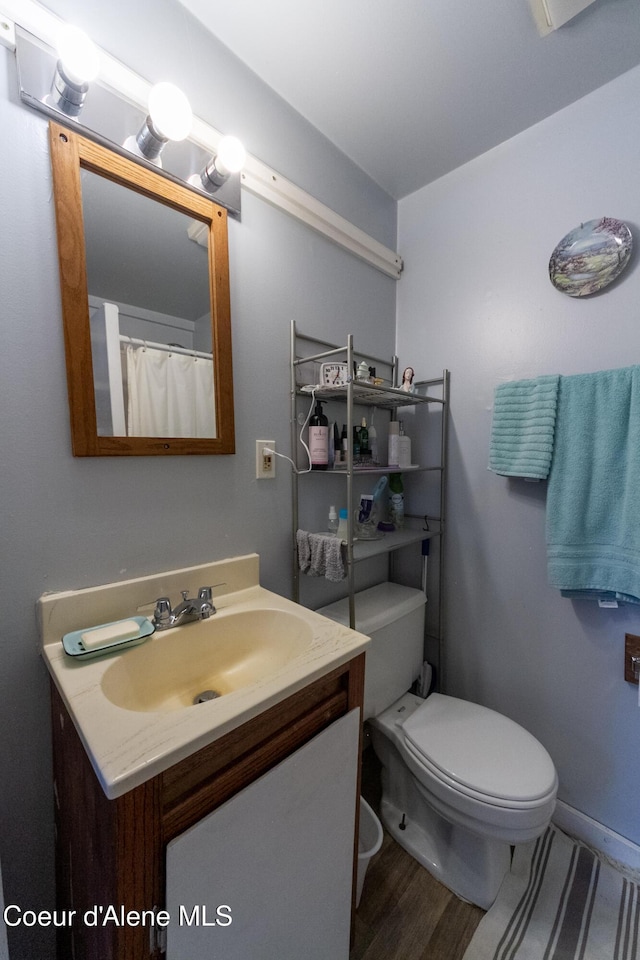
231, 155
169, 111
78, 55
229, 159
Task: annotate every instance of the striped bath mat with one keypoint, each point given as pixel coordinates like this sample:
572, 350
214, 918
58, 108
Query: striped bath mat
560, 902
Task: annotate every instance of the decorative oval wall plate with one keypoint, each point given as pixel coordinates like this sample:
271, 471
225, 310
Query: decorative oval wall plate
590, 257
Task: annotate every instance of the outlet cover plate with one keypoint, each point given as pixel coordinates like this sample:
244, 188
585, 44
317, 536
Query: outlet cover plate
265, 466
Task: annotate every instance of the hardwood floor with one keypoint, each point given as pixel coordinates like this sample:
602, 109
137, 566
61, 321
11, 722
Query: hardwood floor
404, 913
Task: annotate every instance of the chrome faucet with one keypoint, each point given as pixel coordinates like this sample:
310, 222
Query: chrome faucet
190, 609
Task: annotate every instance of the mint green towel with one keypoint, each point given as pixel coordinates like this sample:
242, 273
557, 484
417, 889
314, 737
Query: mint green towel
593, 496
522, 432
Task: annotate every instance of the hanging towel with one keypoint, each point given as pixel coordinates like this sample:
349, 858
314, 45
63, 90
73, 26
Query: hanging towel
524, 417
320, 555
593, 499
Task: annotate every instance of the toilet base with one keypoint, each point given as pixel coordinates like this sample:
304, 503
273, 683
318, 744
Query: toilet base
471, 866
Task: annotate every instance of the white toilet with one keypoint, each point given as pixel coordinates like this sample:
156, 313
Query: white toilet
460, 783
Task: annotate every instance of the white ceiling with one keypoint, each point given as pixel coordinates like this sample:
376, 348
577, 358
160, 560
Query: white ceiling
411, 89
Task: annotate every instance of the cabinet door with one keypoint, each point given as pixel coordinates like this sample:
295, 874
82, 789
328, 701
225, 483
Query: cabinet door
268, 875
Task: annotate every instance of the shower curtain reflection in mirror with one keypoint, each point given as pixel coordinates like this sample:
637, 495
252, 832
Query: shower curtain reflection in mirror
150, 310
169, 394
146, 384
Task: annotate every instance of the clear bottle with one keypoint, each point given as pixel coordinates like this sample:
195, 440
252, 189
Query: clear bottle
373, 444
332, 523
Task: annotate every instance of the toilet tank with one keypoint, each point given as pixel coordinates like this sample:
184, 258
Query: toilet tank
393, 616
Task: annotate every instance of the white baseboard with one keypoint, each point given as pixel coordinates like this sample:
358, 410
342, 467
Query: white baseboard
613, 847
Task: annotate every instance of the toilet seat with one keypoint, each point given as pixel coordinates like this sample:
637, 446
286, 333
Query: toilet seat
481, 754
483, 791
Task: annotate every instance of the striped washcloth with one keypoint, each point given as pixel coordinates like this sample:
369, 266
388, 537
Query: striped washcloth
524, 419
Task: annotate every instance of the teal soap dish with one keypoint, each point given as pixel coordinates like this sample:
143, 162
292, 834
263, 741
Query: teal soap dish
107, 637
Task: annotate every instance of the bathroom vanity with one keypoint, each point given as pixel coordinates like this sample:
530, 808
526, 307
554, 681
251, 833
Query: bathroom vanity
143, 791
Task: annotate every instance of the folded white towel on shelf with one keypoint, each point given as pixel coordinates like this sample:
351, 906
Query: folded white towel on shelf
320, 555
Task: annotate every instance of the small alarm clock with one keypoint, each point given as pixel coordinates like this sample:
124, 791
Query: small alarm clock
334, 374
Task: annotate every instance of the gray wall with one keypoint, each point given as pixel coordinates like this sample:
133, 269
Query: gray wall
476, 297
69, 523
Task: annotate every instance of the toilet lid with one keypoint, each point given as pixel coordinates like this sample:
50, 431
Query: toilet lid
480, 749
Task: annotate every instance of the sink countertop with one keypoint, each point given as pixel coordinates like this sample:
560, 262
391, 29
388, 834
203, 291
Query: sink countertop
128, 747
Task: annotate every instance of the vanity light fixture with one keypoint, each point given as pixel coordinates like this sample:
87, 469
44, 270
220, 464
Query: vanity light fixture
122, 99
169, 118
78, 64
230, 158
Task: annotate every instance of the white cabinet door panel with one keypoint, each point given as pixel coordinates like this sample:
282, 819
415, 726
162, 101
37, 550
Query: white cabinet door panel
275, 860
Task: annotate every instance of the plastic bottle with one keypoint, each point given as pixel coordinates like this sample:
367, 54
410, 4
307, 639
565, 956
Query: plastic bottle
332, 523
396, 500
319, 439
343, 525
373, 444
404, 448
356, 443
394, 433
344, 442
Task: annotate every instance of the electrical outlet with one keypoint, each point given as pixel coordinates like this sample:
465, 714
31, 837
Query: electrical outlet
265, 462
631, 649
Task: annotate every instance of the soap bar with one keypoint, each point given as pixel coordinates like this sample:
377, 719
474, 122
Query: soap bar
111, 633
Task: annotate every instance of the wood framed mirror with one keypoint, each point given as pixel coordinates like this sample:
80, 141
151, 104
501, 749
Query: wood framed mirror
144, 276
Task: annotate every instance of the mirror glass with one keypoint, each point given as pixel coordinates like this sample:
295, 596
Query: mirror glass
158, 314
145, 290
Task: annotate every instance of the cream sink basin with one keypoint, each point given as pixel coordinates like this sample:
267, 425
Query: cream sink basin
134, 709
214, 657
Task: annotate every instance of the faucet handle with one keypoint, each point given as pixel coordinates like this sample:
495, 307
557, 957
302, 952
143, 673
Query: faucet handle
205, 593
162, 612
205, 596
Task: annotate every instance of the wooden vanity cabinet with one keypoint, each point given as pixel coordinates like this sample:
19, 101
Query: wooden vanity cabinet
111, 853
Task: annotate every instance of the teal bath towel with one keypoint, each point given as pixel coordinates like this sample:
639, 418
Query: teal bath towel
522, 432
593, 496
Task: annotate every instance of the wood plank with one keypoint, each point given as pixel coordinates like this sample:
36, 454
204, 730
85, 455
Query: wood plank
406, 914
454, 931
